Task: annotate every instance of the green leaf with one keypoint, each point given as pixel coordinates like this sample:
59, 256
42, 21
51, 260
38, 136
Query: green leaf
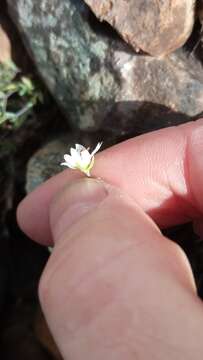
21, 93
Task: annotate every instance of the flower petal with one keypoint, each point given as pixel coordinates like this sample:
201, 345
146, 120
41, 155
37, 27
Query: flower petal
69, 161
67, 157
81, 158
96, 149
85, 158
75, 155
68, 165
79, 147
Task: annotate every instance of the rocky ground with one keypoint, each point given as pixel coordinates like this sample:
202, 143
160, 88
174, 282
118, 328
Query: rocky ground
98, 80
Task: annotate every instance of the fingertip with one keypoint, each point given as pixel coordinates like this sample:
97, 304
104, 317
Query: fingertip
33, 211
74, 201
33, 219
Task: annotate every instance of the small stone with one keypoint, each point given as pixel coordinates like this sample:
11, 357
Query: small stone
45, 163
157, 27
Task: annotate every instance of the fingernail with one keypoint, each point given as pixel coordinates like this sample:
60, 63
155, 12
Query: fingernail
73, 202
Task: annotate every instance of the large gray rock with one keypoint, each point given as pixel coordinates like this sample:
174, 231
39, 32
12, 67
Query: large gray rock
97, 80
73, 60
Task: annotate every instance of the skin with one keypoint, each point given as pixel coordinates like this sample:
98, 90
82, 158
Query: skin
114, 286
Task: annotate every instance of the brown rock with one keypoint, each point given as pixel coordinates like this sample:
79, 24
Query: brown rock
11, 47
156, 27
5, 45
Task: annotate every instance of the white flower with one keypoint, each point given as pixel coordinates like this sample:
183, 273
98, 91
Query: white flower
81, 158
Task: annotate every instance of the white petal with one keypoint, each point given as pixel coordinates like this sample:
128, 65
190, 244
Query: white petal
75, 155
69, 161
73, 152
68, 165
85, 158
96, 149
67, 157
79, 147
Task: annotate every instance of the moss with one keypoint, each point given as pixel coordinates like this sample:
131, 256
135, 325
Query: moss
17, 96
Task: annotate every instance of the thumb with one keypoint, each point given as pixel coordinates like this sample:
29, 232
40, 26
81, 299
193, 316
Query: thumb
114, 286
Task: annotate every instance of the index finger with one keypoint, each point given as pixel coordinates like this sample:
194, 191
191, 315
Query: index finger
162, 171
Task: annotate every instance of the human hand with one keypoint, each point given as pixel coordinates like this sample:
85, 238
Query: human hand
114, 286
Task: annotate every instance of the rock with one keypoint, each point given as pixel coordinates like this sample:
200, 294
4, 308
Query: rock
5, 41
198, 41
5, 45
155, 93
98, 81
45, 163
8, 39
156, 27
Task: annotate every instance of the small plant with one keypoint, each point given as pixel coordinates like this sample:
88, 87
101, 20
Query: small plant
18, 95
